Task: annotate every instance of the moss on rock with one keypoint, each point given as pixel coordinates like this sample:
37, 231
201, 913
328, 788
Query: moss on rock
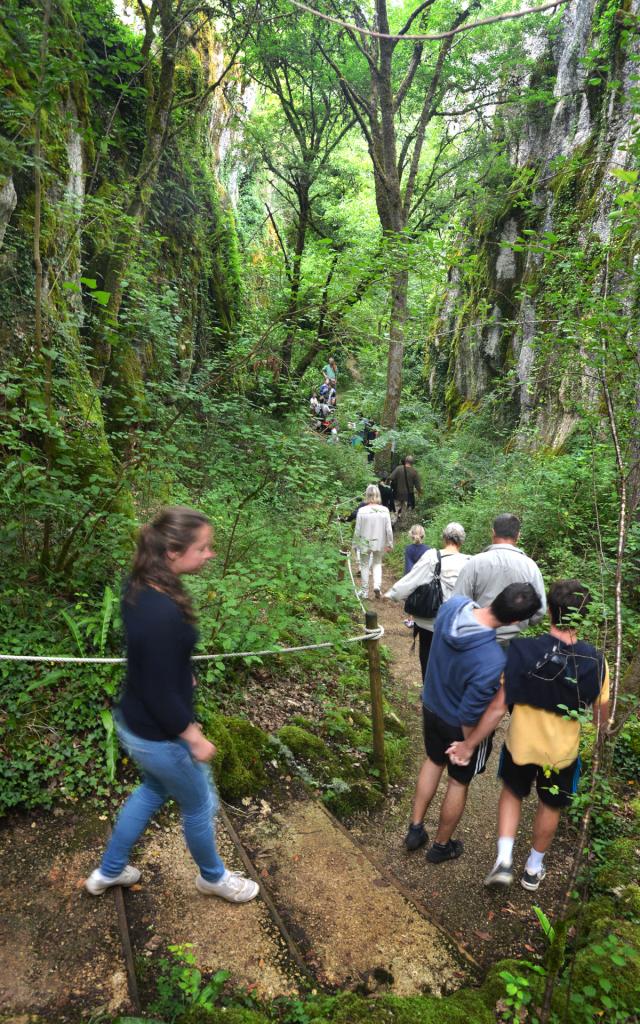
303, 743
588, 916
494, 987
225, 1015
621, 866
630, 901
239, 761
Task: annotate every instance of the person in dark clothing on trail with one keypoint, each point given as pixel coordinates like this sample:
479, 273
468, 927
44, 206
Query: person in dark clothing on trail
463, 674
412, 554
386, 495
405, 483
155, 717
416, 549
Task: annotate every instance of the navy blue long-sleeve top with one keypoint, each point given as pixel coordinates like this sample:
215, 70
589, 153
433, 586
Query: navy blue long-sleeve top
157, 703
412, 554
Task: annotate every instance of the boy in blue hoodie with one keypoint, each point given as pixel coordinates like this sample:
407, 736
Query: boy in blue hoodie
463, 675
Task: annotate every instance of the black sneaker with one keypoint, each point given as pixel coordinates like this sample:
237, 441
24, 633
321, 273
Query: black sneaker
415, 837
499, 877
449, 851
531, 879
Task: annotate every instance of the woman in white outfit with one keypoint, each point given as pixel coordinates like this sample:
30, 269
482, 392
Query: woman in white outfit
451, 563
373, 536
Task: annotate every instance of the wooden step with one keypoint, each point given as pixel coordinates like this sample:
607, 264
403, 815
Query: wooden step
241, 939
356, 928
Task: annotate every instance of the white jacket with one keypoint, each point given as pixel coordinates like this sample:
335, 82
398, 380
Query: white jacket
422, 572
373, 530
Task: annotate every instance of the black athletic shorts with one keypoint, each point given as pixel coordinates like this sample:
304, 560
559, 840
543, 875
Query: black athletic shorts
438, 735
555, 790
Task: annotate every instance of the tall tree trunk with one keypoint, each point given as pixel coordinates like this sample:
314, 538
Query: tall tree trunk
45, 554
118, 259
296, 277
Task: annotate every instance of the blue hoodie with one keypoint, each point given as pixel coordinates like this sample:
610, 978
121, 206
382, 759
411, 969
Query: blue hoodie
464, 667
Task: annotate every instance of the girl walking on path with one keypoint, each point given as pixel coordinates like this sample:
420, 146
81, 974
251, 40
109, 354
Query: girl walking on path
155, 717
451, 563
413, 553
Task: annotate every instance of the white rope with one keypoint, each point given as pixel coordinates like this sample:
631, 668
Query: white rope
369, 634
347, 554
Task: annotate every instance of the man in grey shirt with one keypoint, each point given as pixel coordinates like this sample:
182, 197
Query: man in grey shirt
485, 575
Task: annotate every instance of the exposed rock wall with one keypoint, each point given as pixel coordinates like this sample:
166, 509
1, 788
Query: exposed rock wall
563, 155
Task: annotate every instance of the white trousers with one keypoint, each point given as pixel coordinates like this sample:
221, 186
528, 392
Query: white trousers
372, 563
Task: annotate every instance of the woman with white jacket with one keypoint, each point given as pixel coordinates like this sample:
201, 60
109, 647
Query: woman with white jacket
373, 536
451, 562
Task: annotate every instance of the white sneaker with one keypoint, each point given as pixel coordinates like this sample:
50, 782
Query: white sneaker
97, 883
235, 888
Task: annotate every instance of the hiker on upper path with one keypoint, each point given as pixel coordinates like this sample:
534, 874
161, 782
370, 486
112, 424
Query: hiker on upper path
386, 497
155, 718
451, 561
405, 482
330, 371
373, 536
463, 674
486, 574
544, 675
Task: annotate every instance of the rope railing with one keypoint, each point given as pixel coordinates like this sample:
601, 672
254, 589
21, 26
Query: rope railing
369, 634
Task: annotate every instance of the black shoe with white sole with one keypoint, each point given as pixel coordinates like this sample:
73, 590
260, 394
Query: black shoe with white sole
531, 879
500, 876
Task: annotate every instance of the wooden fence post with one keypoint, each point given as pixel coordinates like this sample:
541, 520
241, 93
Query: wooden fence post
377, 714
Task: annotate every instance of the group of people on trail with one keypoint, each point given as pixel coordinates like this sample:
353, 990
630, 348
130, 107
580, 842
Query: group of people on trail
475, 668
322, 404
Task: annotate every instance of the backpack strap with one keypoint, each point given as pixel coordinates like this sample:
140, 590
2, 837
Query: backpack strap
437, 567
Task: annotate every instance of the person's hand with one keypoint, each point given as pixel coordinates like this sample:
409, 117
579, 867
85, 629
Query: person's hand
460, 753
202, 749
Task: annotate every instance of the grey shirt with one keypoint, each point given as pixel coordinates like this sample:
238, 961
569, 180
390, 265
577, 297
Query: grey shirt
485, 575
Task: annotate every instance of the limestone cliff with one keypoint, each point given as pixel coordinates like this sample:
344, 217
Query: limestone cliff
561, 161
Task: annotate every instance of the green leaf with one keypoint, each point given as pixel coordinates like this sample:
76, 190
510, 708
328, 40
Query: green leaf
75, 632
90, 282
107, 613
111, 742
101, 297
545, 924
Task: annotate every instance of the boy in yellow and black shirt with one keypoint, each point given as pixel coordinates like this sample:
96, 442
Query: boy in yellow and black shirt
548, 681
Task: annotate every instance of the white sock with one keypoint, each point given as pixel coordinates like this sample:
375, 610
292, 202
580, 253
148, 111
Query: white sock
505, 850
534, 863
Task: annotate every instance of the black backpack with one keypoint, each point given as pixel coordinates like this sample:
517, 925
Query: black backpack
427, 598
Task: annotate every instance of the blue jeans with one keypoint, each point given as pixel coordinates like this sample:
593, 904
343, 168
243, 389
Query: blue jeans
168, 772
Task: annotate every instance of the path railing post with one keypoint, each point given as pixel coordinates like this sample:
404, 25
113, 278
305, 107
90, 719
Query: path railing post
377, 713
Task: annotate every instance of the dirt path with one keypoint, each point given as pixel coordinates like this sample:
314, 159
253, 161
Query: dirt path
490, 925
60, 951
